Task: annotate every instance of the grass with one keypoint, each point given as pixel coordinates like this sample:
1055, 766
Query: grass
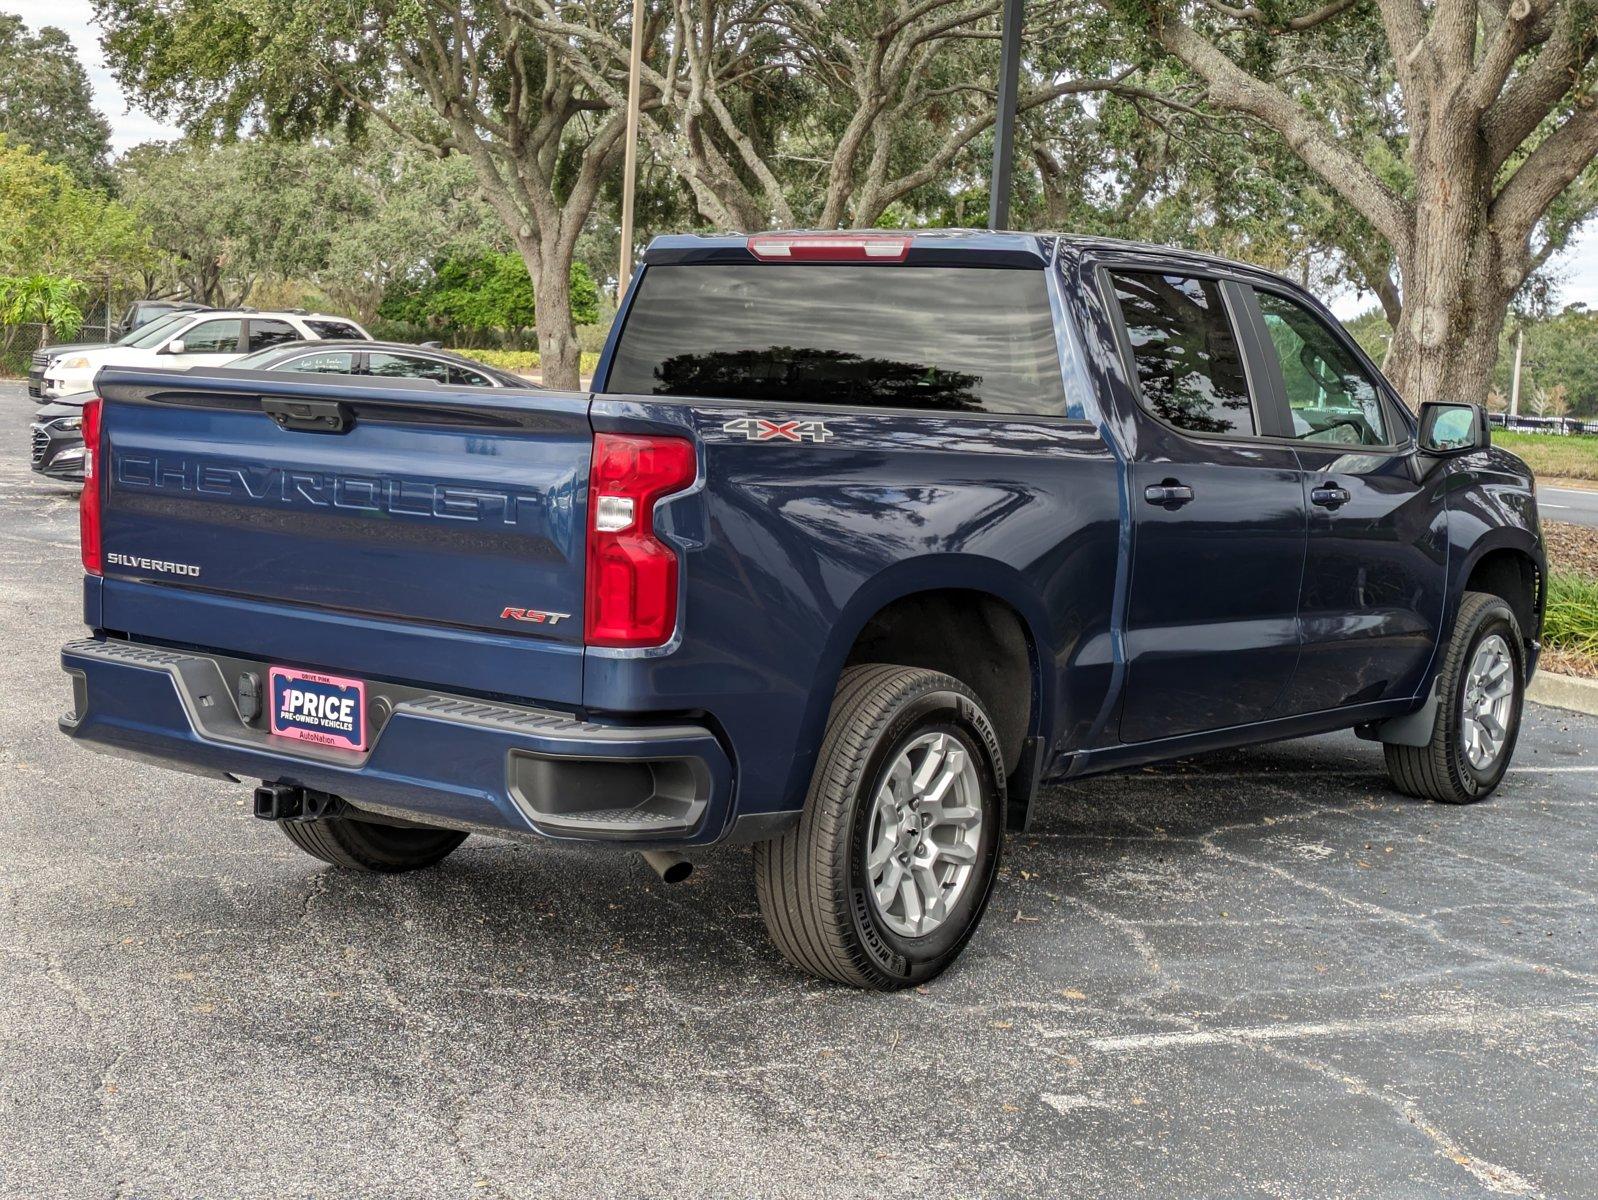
526, 362
1571, 621
1573, 457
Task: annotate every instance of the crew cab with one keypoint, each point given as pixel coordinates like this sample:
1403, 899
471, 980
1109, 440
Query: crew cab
859, 541
203, 338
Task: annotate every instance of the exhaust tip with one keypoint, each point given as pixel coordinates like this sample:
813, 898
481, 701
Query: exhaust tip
671, 867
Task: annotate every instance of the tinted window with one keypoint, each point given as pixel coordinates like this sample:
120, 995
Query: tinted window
1189, 369
335, 329
403, 366
264, 333
212, 337
330, 362
1331, 397
140, 313
461, 377
156, 329
958, 339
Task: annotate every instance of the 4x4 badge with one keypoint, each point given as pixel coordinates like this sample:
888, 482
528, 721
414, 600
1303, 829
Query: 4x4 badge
758, 429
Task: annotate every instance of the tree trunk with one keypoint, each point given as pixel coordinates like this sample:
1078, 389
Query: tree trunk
1454, 299
559, 354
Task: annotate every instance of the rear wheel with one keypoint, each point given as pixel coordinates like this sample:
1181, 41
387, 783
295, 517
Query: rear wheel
884, 879
1480, 690
368, 846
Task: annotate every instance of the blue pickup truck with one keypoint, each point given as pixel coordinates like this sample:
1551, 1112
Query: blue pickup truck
858, 540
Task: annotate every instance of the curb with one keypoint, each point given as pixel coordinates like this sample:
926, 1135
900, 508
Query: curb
1564, 691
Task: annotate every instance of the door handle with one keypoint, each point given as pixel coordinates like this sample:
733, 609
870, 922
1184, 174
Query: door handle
1329, 495
1170, 494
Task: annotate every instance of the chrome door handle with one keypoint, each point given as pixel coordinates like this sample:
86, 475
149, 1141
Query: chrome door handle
1170, 494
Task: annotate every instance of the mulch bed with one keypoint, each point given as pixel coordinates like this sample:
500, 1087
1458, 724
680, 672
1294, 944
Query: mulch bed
1572, 547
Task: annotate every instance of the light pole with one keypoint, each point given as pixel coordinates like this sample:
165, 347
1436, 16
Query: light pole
1004, 126
629, 171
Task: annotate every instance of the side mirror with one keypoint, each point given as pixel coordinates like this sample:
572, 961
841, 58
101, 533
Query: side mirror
1447, 429
173, 347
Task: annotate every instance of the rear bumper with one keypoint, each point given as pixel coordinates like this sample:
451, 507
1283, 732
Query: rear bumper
452, 761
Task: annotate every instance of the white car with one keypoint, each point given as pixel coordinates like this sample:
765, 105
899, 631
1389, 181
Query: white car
196, 339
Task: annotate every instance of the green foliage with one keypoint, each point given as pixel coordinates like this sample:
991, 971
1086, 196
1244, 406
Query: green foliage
55, 301
524, 362
473, 295
46, 101
1571, 620
1560, 351
50, 224
1372, 332
340, 217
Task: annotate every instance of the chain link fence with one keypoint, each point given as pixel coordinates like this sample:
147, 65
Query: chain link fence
100, 319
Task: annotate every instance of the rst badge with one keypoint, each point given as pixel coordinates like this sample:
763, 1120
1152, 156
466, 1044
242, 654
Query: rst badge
759, 429
533, 616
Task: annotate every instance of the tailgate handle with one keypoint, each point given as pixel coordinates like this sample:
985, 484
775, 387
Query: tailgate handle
309, 416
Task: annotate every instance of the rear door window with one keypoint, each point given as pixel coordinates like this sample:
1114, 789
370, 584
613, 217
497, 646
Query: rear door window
403, 366
329, 362
266, 332
1189, 367
948, 339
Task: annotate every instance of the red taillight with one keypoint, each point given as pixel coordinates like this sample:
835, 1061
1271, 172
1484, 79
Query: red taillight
89, 500
632, 574
829, 247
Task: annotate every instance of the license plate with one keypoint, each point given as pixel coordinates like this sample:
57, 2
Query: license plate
325, 709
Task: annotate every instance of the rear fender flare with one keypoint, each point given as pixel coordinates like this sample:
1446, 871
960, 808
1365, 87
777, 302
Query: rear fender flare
942, 572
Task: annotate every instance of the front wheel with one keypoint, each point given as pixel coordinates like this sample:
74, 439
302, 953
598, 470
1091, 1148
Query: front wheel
1480, 688
883, 880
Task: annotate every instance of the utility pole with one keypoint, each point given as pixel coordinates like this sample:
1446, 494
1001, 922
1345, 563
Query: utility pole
1514, 383
1004, 126
629, 172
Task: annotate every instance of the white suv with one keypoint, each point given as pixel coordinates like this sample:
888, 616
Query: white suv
196, 339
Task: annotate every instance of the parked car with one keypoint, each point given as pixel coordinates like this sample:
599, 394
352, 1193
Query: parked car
42, 358
197, 339
384, 360
56, 438
859, 541
57, 430
142, 312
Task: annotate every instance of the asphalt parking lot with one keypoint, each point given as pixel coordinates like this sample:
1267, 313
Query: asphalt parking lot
1257, 974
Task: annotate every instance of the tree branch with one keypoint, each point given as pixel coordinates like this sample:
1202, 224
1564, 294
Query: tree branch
1232, 87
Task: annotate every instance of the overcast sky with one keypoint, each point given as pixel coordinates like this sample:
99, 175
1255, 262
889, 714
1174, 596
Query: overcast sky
1577, 267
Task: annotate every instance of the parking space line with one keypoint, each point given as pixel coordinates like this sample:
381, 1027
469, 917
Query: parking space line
1471, 1021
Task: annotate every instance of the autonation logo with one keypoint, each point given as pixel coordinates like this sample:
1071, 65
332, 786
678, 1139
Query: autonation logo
160, 565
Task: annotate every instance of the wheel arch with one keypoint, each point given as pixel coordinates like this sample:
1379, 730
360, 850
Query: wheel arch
1508, 563
971, 617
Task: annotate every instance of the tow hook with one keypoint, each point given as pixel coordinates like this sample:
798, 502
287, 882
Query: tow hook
671, 867
285, 802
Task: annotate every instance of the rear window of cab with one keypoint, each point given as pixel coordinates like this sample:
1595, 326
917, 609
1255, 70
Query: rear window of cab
944, 339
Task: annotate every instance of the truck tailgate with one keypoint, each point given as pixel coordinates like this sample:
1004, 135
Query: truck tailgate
439, 525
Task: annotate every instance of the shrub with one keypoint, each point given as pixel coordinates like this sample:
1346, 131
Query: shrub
1571, 621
